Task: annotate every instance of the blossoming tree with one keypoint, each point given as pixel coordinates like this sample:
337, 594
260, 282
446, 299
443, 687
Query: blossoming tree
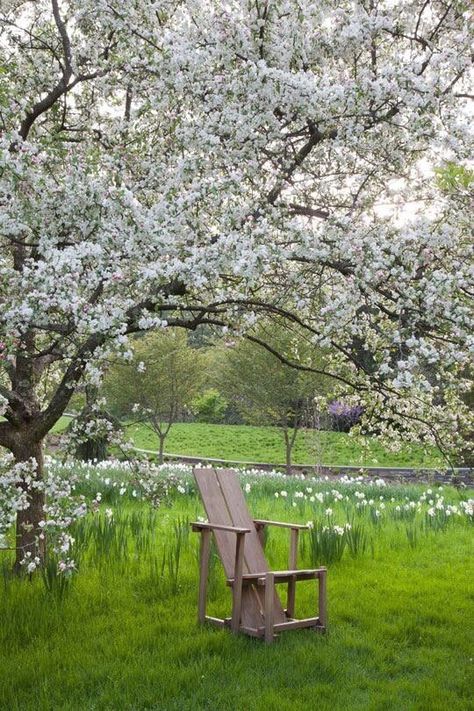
168, 163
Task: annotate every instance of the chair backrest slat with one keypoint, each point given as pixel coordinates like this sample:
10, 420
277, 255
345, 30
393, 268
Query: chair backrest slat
217, 512
255, 561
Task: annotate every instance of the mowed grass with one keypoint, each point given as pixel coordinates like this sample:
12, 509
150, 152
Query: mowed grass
401, 626
265, 444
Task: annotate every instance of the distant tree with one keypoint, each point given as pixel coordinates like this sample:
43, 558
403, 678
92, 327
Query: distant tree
209, 406
268, 392
157, 384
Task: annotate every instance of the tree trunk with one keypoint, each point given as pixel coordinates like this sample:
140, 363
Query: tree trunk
161, 458
288, 447
27, 521
96, 446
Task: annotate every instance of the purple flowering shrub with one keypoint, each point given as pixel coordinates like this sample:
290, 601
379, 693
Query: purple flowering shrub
344, 416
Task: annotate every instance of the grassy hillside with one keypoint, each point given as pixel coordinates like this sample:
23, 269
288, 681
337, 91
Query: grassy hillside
265, 444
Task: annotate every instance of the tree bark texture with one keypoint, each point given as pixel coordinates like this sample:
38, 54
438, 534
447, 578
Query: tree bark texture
27, 524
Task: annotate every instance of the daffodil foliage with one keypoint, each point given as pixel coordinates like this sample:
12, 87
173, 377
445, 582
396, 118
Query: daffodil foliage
205, 162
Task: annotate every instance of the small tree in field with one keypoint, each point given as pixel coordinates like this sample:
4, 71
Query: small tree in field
157, 384
266, 391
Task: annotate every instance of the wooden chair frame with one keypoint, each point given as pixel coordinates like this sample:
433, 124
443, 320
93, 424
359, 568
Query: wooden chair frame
266, 580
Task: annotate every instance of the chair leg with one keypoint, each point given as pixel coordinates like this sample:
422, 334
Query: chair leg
323, 615
292, 565
290, 600
203, 573
269, 600
237, 585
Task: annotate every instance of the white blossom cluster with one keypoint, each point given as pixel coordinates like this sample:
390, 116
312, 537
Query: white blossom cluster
62, 508
13, 498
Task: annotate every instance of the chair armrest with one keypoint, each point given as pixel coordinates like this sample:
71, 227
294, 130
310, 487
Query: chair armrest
308, 572
282, 524
280, 576
198, 526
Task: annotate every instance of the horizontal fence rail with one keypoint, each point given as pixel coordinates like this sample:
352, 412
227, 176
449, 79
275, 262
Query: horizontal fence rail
451, 476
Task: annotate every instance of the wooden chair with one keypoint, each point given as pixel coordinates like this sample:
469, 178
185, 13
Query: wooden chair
256, 607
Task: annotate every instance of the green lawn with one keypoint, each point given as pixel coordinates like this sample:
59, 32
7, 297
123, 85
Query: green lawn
265, 444
125, 634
